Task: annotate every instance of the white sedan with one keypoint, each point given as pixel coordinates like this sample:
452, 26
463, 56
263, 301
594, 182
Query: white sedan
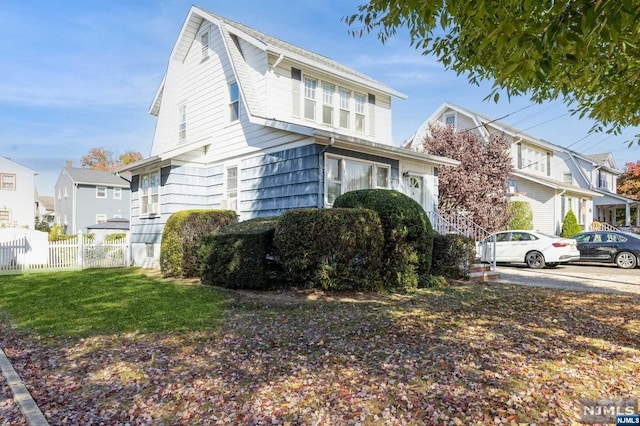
535, 249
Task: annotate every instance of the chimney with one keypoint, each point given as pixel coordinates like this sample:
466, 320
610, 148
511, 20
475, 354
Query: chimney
69, 163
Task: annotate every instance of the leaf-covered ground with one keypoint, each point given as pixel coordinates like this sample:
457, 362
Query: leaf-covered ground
468, 354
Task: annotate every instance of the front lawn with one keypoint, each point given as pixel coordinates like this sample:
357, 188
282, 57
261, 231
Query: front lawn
469, 354
99, 301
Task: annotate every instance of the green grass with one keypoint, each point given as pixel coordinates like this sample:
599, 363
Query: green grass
106, 301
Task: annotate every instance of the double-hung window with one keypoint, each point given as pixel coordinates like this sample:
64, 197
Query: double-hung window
117, 193
345, 98
360, 101
232, 188
8, 182
344, 175
328, 93
234, 101
5, 217
101, 218
150, 194
310, 98
101, 192
182, 123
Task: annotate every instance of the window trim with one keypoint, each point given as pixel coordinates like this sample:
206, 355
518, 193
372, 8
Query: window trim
117, 193
100, 189
2, 182
101, 218
360, 112
234, 101
232, 202
9, 212
182, 122
373, 184
154, 211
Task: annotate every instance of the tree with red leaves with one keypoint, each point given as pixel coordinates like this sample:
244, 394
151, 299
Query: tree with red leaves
629, 181
476, 188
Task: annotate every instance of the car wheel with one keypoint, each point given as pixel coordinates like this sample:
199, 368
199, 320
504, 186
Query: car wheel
535, 260
626, 260
552, 265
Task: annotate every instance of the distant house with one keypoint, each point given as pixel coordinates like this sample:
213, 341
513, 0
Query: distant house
45, 206
17, 195
542, 176
85, 197
110, 227
600, 174
258, 125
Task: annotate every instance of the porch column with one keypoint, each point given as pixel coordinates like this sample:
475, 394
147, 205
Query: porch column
627, 214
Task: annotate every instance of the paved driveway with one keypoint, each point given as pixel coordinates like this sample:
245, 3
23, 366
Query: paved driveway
582, 277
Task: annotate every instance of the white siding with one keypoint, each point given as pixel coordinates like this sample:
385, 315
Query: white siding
21, 201
542, 200
279, 102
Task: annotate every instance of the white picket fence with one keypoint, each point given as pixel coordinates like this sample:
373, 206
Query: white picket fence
29, 255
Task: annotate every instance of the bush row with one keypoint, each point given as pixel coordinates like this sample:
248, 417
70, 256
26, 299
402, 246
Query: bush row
370, 240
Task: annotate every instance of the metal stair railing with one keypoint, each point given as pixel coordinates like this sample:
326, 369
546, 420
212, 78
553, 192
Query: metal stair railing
455, 224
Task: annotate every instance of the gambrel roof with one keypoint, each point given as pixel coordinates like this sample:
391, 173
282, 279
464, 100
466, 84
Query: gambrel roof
267, 43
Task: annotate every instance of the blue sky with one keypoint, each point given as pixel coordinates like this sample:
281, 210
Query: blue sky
82, 74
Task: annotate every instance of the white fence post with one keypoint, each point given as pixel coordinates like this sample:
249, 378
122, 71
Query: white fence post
80, 250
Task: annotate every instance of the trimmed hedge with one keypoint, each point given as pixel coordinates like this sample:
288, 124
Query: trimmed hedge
181, 239
241, 255
453, 255
332, 249
407, 232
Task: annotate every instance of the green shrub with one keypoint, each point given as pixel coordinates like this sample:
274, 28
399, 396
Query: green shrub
332, 249
436, 281
181, 239
570, 225
521, 215
407, 233
112, 238
453, 255
241, 255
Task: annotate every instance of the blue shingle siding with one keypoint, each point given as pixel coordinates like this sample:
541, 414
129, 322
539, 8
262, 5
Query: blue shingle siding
275, 182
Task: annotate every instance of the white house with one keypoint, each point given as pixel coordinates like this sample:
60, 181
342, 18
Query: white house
599, 173
17, 195
542, 176
255, 124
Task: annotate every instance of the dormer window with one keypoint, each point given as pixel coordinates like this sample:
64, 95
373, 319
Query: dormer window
310, 98
345, 97
204, 41
360, 101
234, 102
328, 95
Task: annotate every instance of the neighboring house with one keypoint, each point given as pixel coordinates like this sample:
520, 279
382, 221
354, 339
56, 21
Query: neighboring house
17, 195
542, 175
84, 197
600, 173
111, 226
251, 123
45, 208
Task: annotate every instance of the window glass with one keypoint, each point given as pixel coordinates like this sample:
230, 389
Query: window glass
8, 182
101, 192
333, 169
357, 176
345, 96
234, 101
382, 177
328, 91
310, 98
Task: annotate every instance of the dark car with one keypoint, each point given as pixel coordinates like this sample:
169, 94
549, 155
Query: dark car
621, 248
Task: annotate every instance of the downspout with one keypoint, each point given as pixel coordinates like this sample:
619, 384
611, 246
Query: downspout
321, 182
